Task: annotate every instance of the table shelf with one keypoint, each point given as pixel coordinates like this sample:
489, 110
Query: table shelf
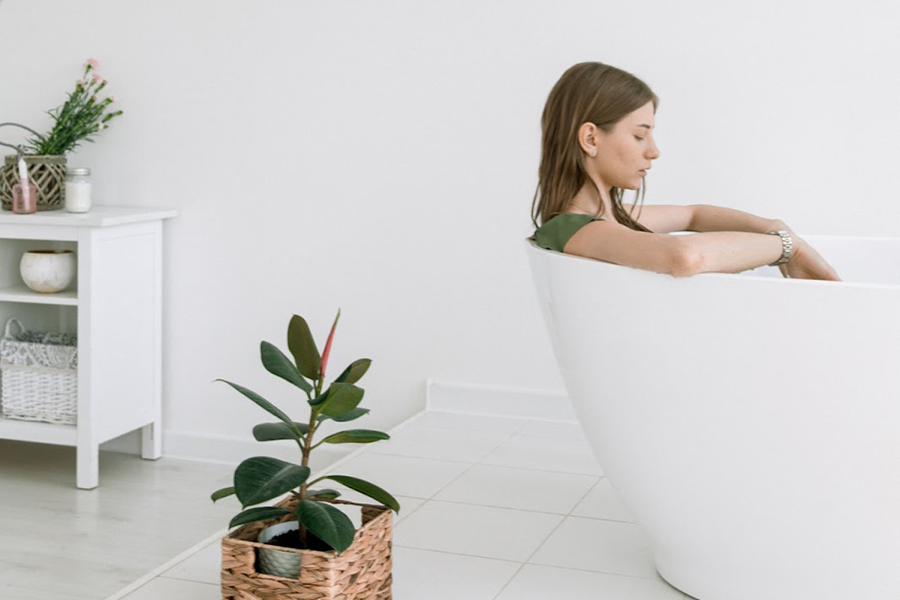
34, 431
22, 293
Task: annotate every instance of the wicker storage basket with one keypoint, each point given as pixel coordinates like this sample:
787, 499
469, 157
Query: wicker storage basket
38, 375
48, 173
361, 572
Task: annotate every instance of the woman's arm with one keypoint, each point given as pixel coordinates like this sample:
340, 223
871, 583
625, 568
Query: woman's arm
728, 241
676, 255
662, 218
705, 217
805, 262
665, 218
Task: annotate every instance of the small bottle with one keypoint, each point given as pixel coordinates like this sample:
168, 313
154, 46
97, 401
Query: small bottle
24, 200
78, 190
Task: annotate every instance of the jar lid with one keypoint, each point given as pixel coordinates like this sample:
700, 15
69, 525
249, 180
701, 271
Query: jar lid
79, 171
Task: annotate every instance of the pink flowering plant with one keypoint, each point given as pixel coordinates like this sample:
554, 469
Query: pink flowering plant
80, 118
263, 478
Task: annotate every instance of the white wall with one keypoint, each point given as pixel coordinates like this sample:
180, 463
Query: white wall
381, 157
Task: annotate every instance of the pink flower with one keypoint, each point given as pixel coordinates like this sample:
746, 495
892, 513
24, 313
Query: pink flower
112, 97
96, 77
91, 63
93, 98
327, 350
79, 83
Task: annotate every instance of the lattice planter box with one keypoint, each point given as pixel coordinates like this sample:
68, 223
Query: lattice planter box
362, 572
47, 173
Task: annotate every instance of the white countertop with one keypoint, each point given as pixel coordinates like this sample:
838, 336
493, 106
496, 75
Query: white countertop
99, 216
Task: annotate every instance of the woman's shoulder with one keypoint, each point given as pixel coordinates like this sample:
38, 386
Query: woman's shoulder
555, 233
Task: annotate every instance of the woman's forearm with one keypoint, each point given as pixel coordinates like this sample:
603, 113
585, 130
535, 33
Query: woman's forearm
730, 251
717, 218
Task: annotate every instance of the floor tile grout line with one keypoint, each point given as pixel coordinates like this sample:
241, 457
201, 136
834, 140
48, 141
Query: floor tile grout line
586, 494
530, 556
658, 579
541, 545
185, 579
158, 571
469, 468
480, 556
525, 510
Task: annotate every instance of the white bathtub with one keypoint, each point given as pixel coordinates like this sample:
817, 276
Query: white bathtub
750, 423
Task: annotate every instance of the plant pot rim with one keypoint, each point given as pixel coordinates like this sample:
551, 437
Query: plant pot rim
27, 156
241, 529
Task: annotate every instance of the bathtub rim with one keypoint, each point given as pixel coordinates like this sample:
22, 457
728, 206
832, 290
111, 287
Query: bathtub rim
743, 275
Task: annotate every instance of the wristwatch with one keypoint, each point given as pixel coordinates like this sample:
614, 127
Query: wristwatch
787, 244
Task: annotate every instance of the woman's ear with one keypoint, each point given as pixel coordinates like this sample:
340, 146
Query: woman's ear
588, 138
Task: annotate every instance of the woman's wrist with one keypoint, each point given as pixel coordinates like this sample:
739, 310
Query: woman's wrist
787, 246
778, 224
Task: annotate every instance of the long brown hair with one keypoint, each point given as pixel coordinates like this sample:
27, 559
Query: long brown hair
588, 92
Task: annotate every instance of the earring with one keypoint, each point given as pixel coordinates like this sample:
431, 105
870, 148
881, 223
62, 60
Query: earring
593, 153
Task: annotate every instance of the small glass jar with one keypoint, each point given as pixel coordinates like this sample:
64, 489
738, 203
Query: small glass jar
78, 190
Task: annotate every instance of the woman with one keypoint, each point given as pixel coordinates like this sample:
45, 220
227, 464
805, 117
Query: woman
597, 141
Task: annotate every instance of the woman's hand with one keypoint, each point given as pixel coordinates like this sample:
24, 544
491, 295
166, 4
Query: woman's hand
806, 263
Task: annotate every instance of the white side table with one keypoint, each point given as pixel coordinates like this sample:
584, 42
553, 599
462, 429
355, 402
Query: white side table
116, 309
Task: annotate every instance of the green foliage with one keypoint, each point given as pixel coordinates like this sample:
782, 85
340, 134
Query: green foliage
262, 478
82, 116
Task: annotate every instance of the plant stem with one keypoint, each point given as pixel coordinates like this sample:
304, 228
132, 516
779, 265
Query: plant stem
306, 447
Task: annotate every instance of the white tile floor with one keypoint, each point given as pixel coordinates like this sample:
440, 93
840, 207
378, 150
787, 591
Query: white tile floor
491, 509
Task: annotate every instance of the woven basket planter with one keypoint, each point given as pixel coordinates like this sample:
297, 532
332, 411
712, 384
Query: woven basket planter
48, 173
361, 572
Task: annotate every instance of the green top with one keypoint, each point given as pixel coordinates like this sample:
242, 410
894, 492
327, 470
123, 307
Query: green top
555, 233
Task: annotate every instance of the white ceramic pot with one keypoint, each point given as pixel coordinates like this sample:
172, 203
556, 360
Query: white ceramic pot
48, 271
278, 562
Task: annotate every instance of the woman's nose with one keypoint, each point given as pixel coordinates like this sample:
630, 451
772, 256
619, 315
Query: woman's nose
653, 151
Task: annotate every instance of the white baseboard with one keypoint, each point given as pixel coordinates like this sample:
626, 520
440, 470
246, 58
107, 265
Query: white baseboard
232, 450
499, 401
445, 396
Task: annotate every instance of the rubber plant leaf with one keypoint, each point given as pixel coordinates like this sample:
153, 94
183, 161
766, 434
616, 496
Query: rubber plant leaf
355, 371
223, 493
267, 432
278, 364
327, 349
303, 348
340, 399
369, 489
324, 493
262, 402
355, 436
347, 416
260, 513
262, 478
328, 523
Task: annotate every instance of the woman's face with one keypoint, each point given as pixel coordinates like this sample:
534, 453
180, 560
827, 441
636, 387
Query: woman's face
624, 154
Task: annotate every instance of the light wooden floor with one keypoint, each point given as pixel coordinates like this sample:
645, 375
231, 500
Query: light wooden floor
61, 543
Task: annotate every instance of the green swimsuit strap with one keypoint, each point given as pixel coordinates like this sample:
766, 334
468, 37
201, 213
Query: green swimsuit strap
555, 233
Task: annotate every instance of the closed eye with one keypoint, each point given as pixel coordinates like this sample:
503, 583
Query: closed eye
640, 139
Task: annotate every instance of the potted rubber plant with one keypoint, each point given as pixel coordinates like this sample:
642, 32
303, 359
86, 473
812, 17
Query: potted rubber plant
304, 544
81, 117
